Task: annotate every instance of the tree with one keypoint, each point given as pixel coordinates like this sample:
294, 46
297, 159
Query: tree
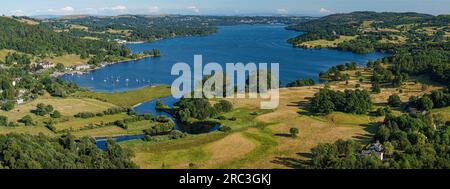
302, 83
327, 101
383, 111
156, 52
294, 132
50, 125
119, 156
42, 152
60, 67
7, 106
225, 129
389, 149
56, 114
160, 106
424, 87
223, 106
322, 102
3, 121
42, 109
376, 88
439, 99
417, 138
394, 101
121, 124
425, 103
198, 108
27, 120
175, 134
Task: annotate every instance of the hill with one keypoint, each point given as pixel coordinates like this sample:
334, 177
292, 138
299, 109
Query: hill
41, 40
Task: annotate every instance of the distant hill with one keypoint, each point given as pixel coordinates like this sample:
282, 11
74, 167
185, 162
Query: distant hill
43, 17
41, 39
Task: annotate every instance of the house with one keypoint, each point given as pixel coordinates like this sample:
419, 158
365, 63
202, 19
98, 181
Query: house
375, 149
45, 65
82, 67
20, 101
120, 41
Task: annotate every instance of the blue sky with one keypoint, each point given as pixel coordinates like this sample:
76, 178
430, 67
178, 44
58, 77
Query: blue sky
217, 7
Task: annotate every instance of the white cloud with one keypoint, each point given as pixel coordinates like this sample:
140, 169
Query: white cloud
153, 9
119, 8
113, 10
64, 10
116, 9
193, 9
324, 10
282, 11
17, 13
68, 9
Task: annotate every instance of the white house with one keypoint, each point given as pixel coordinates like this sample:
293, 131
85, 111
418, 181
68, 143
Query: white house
375, 149
82, 67
46, 65
120, 41
20, 101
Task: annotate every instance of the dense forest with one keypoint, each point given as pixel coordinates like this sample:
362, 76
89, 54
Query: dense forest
326, 101
149, 28
21, 151
40, 40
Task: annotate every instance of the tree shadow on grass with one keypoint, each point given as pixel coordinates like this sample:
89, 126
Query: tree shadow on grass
380, 104
283, 135
304, 108
292, 162
371, 128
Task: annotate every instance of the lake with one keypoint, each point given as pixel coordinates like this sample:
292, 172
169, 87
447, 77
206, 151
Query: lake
232, 44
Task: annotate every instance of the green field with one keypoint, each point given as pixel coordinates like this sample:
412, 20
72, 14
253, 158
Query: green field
4, 53
260, 139
85, 102
129, 98
111, 131
79, 123
68, 60
67, 107
325, 43
28, 130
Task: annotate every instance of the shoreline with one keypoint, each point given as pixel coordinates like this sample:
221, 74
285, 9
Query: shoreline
103, 65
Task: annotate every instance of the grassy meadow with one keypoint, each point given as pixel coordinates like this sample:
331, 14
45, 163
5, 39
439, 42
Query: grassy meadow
129, 98
67, 60
261, 139
85, 102
325, 43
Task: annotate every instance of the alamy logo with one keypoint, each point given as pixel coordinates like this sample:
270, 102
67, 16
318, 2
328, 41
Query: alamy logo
239, 80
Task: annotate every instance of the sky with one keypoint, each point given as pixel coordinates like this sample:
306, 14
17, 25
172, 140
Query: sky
217, 7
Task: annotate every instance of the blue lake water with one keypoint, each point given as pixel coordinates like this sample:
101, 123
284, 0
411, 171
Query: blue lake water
232, 44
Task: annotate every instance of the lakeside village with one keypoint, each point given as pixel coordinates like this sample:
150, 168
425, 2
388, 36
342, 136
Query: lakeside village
58, 69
